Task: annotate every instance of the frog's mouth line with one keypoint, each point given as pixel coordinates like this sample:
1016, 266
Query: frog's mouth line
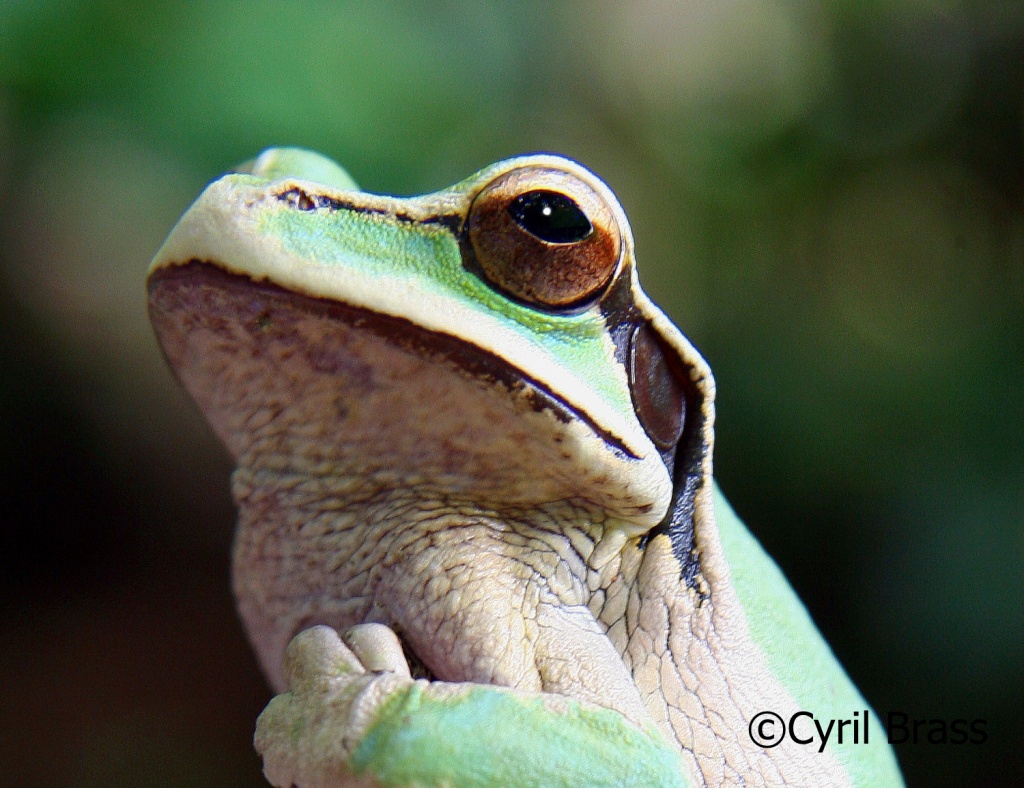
401, 332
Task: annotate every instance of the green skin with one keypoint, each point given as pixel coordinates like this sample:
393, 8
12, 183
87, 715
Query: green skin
617, 671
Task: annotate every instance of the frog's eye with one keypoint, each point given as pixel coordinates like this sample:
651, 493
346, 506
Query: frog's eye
545, 237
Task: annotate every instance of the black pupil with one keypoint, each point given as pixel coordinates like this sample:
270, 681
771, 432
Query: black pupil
550, 216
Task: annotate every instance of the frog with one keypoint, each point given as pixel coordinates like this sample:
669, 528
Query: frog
480, 540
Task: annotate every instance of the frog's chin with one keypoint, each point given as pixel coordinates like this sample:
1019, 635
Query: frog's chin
315, 387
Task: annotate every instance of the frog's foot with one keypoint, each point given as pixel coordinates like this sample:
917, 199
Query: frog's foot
307, 735
353, 716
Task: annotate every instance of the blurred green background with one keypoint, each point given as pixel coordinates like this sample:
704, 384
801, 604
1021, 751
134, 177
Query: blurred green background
827, 197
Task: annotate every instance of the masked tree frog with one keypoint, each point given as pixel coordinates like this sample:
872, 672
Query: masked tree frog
474, 480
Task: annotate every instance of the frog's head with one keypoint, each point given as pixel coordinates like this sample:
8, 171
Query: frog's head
489, 342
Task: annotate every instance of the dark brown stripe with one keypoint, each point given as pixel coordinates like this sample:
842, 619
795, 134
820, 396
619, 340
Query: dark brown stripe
302, 200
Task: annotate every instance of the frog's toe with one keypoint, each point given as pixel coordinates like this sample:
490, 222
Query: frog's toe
378, 648
317, 653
